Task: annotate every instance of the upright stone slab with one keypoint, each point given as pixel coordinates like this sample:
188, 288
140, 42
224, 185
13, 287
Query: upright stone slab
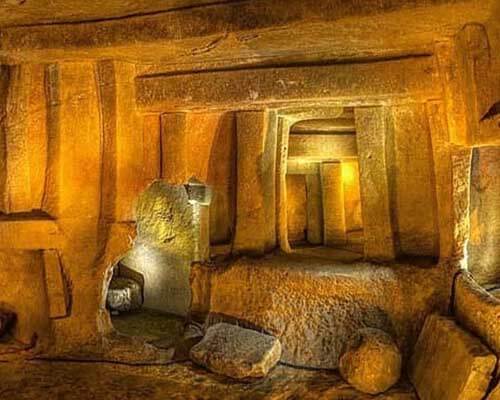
449, 363
371, 129
333, 204
314, 209
256, 183
417, 225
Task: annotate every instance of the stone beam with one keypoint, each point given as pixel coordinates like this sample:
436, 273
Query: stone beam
324, 126
371, 128
302, 168
321, 147
359, 83
247, 31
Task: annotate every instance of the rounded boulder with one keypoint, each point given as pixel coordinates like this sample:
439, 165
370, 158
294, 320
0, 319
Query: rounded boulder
371, 361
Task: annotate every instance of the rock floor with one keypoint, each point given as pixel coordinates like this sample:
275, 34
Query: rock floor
100, 381
155, 327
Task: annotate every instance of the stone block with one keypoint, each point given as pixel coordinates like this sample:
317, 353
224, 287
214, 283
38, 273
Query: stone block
449, 363
237, 352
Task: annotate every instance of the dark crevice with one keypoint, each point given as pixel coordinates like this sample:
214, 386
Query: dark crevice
492, 112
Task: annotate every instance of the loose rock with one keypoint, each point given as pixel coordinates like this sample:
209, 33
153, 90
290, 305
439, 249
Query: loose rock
237, 352
371, 362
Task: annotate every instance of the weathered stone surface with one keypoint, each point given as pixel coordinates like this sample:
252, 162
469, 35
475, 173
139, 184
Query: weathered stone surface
6, 320
124, 294
314, 305
237, 352
477, 310
449, 363
371, 362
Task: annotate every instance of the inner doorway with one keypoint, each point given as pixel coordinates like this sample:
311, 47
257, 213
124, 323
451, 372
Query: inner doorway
322, 188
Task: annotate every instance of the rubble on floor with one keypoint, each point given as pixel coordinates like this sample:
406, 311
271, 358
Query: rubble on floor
371, 362
449, 363
237, 352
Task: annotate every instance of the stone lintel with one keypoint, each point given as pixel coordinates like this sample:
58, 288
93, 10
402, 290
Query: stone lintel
357, 83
